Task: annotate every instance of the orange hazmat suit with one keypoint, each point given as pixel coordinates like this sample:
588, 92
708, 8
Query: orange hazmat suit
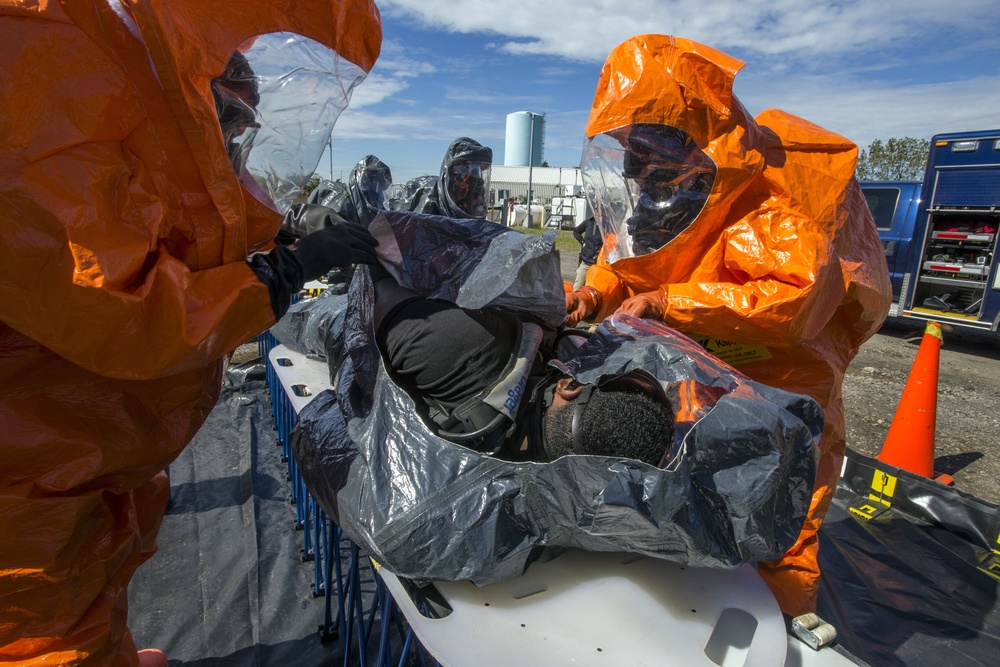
123, 282
781, 273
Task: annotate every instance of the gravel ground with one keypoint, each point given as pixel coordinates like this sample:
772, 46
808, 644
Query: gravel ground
968, 409
968, 401
244, 353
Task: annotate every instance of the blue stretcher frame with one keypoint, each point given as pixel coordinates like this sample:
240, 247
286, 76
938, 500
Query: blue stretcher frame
339, 569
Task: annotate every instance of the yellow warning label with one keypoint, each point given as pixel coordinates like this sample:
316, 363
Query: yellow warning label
879, 498
732, 353
991, 566
883, 487
867, 510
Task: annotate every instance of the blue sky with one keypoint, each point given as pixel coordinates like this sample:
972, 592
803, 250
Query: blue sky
868, 69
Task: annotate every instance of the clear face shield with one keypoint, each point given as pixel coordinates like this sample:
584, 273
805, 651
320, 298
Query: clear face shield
236, 102
467, 186
375, 187
647, 183
277, 103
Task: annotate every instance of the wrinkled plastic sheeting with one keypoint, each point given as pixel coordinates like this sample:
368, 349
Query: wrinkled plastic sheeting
913, 585
417, 195
327, 192
248, 371
304, 327
472, 262
736, 489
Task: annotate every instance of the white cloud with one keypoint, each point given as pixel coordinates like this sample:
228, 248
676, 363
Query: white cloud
398, 60
431, 125
356, 124
376, 89
493, 99
864, 68
555, 72
587, 30
864, 111
470, 95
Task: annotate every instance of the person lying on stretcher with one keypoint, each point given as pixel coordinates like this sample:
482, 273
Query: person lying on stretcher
441, 446
480, 378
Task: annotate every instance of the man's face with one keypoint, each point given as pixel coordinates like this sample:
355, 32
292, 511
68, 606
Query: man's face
558, 421
649, 182
566, 428
236, 101
374, 189
656, 176
466, 187
557, 427
238, 121
669, 184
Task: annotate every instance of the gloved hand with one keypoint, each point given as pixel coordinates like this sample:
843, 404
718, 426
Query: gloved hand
581, 304
336, 243
304, 219
647, 304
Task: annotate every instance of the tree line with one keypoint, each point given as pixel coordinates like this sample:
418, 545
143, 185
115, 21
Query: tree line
898, 159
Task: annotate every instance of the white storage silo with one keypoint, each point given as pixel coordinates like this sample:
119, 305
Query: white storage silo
524, 140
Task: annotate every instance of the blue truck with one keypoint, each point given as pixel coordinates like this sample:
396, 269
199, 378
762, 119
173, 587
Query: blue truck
894, 205
940, 235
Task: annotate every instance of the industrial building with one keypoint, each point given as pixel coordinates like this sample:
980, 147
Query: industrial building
557, 190
524, 153
546, 182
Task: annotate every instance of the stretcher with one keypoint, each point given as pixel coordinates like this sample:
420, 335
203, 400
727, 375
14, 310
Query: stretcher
581, 607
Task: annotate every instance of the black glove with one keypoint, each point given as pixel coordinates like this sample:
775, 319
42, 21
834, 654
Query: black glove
304, 219
336, 243
285, 269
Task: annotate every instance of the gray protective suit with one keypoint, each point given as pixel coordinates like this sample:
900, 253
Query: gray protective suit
451, 194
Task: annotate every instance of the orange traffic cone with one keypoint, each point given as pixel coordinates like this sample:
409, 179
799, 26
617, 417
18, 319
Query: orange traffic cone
910, 442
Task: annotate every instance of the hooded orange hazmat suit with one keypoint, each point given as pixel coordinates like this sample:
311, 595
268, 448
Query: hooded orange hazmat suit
123, 282
782, 268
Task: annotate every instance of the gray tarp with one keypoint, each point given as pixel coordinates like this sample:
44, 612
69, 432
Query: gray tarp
736, 488
305, 325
